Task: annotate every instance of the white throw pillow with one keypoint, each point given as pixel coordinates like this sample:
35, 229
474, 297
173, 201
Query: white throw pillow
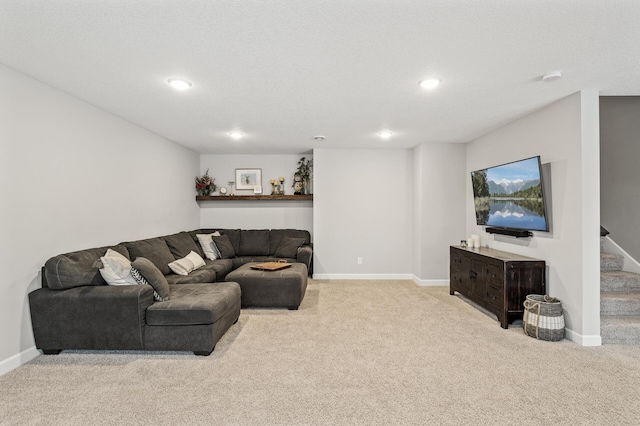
194, 257
187, 264
208, 247
116, 269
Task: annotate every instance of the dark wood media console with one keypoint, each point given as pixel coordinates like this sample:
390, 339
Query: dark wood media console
496, 280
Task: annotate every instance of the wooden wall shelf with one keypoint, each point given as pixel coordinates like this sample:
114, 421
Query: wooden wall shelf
254, 198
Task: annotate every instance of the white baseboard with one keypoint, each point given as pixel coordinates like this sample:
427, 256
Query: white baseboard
582, 340
430, 283
630, 264
362, 276
18, 359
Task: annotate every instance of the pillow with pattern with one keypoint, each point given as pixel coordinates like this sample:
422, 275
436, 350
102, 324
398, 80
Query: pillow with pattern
153, 276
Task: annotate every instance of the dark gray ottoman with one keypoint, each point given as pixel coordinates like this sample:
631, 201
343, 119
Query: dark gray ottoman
284, 288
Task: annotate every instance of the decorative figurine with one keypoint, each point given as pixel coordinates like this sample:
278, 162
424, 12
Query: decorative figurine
297, 184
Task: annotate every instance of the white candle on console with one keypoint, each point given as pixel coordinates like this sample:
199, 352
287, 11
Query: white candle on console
476, 240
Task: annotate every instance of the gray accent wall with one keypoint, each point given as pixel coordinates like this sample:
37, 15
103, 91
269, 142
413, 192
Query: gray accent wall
363, 208
620, 170
73, 176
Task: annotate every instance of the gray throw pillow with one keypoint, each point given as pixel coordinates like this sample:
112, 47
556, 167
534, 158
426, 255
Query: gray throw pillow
288, 247
153, 276
181, 244
223, 243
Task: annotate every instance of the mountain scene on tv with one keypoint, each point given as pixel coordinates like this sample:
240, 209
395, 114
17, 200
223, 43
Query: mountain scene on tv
510, 196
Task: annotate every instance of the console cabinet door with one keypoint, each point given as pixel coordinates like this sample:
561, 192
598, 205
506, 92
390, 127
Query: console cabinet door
459, 272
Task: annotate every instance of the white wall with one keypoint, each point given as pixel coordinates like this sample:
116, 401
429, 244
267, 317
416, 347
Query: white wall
565, 135
254, 214
439, 208
75, 177
363, 207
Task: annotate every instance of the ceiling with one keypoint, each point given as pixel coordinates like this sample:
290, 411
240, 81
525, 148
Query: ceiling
284, 71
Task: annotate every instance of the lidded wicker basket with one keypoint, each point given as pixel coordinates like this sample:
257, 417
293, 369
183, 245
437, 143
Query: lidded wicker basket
543, 317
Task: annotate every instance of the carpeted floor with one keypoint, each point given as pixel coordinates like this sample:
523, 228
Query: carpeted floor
356, 353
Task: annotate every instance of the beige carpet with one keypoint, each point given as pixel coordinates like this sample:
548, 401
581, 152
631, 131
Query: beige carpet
356, 353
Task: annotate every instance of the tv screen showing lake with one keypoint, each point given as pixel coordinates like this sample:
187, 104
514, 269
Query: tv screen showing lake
510, 196
513, 214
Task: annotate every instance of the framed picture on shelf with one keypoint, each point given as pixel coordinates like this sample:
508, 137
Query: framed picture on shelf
248, 178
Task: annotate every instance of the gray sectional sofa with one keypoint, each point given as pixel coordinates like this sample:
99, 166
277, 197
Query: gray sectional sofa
76, 309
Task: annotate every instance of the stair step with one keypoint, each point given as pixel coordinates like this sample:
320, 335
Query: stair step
617, 304
611, 262
619, 281
623, 330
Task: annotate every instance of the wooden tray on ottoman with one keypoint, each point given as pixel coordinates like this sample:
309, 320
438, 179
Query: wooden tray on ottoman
270, 266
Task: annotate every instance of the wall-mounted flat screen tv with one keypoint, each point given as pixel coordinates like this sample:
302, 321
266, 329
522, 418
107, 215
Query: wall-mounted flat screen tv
510, 196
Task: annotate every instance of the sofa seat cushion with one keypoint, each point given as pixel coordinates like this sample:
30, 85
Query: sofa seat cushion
77, 268
202, 275
221, 266
194, 304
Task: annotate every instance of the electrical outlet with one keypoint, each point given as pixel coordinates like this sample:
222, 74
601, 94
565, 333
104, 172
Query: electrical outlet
359, 261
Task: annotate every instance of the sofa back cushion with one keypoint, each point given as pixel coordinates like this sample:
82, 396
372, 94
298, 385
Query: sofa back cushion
181, 244
154, 249
234, 237
78, 268
254, 242
288, 247
278, 234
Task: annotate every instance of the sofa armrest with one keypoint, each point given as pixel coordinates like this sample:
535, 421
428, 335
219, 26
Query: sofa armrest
90, 317
305, 255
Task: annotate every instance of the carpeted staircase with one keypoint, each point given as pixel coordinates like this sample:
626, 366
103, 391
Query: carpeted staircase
619, 302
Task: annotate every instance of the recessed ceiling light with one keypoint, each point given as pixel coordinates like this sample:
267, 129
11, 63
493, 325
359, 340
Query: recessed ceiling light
552, 76
319, 138
430, 83
236, 135
385, 134
178, 83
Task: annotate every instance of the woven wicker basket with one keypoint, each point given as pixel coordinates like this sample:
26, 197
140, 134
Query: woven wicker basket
543, 318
